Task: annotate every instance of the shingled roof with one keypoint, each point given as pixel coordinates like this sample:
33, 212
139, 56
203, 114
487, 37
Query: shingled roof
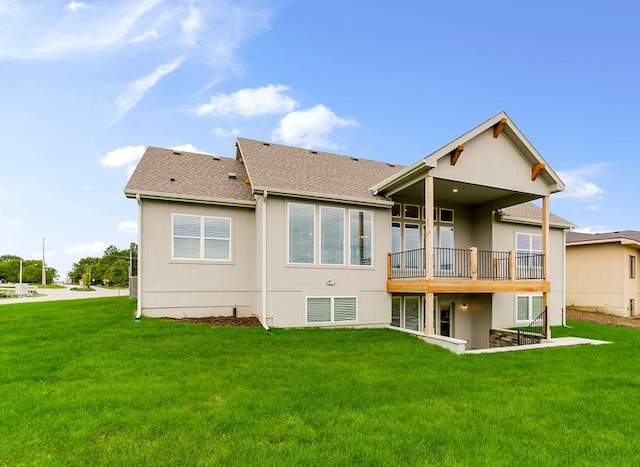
622, 236
529, 212
188, 176
312, 174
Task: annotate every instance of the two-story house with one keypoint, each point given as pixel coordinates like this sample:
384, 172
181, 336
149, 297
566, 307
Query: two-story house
448, 247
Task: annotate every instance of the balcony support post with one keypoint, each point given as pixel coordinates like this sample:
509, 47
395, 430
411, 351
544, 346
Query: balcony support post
474, 263
545, 257
512, 265
428, 311
428, 233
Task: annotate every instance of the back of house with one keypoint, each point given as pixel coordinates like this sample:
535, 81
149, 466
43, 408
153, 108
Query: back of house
449, 247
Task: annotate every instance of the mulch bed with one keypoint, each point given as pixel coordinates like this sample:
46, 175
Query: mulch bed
250, 321
601, 318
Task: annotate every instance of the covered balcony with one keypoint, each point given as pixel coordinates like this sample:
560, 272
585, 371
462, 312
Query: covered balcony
465, 270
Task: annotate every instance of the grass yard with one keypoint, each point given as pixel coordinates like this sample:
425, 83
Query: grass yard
81, 384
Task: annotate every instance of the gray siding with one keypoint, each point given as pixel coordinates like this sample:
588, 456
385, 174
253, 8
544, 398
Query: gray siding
288, 285
491, 162
179, 288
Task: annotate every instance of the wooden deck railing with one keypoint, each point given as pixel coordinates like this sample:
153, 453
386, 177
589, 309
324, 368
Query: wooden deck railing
471, 264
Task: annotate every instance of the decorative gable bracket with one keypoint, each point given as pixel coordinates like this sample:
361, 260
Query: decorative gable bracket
535, 170
497, 128
455, 154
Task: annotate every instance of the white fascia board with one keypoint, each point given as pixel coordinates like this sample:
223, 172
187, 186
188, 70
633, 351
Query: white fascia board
601, 241
191, 199
526, 221
398, 178
324, 197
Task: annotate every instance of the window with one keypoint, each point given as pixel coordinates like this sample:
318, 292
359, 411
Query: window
632, 267
334, 244
201, 238
361, 229
411, 211
396, 243
396, 304
331, 309
529, 250
412, 313
446, 215
301, 233
331, 235
529, 307
396, 210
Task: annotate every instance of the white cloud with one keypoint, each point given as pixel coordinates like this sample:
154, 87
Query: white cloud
592, 229
40, 30
191, 25
122, 156
145, 36
14, 222
137, 89
311, 127
128, 227
578, 185
249, 102
86, 248
188, 148
222, 133
211, 32
75, 6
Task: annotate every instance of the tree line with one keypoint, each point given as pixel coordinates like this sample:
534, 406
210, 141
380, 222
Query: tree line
110, 269
31, 270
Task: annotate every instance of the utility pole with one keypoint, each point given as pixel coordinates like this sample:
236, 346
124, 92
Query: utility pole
44, 276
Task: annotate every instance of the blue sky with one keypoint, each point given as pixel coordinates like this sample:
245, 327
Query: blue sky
87, 85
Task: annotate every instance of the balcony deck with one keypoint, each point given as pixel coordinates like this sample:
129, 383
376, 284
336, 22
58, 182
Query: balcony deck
465, 271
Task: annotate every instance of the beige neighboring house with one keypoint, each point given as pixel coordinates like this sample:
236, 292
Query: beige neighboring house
602, 272
448, 248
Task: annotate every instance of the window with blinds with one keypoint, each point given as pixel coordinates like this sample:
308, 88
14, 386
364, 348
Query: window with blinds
339, 236
528, 307
361, 231
331, 235
331, 309
301, 233
201, 238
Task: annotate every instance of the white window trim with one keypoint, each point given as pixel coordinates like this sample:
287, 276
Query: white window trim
404, 210
345, 239
315, 233
348, 244
202, 239
453, 215
317, 245
333, 321
529, 307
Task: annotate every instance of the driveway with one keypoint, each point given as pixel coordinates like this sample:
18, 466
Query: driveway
67, 294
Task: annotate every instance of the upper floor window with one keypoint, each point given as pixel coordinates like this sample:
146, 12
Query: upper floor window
334, 242
302, 233
201, 237
632, 266
529, 249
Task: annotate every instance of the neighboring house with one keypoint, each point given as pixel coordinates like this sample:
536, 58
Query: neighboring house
602, 271
443, 248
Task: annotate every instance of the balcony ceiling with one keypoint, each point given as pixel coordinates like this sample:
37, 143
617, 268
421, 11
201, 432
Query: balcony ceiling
466, 194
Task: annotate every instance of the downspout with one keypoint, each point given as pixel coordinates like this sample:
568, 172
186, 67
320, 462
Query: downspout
138, 267
264, 260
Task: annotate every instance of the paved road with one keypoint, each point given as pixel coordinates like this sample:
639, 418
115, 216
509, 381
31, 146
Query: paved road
66, 294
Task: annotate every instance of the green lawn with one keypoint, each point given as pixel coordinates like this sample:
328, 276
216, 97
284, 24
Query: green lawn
81, 384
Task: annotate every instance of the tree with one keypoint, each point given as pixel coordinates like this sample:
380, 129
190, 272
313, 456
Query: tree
31, 270
113, 266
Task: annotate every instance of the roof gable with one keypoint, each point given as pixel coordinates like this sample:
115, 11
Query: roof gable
291, 171
186, 176
477, 149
